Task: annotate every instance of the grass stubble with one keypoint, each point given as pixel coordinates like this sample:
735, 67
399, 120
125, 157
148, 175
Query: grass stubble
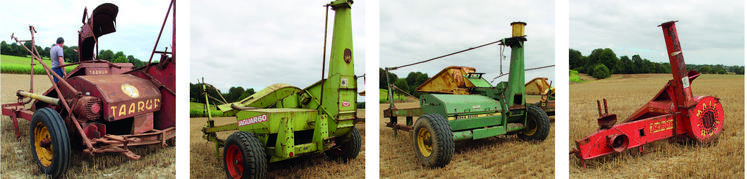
661, 159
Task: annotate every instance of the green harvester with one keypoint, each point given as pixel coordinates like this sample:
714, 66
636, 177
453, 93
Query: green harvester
282, 122
461, 105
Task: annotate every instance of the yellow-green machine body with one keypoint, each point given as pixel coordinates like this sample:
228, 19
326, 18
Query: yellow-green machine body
288, 122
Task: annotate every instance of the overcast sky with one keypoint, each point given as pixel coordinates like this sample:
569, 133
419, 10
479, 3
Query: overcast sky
138, 23
417, 30
254, 44
710, 32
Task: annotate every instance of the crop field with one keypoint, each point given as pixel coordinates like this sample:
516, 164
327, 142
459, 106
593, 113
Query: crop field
22, 65
16, 160
198, 110
495, 157
661, 159
204, 164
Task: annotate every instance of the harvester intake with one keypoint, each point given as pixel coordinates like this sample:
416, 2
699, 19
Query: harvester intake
46, 99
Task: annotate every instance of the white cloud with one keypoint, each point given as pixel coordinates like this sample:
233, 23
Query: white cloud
138, 23
710, 32
255, 44
417, 30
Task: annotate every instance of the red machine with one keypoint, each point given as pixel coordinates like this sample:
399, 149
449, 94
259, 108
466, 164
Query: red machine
673, 113
99, 106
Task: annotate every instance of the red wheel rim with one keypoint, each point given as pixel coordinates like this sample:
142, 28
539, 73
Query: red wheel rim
234, 161
706, 119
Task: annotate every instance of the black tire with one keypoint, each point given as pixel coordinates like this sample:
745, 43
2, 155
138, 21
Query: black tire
538, 124
349, 150
251, 156
433, 140
58, 145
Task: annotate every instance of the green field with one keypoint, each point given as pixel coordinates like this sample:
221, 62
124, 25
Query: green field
383, 96
21, 65
197, 110
574, 77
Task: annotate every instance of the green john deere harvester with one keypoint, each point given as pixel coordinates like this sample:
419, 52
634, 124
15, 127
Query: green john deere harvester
282, 122
461, 105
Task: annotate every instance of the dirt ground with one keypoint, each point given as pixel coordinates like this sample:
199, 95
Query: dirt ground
495, 157
17, 162
204, 163
627, 93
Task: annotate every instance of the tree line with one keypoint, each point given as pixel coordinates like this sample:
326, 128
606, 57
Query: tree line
71, 56
407, 84
234, 94
603, 62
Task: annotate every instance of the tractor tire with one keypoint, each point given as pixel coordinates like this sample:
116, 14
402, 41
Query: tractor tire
538, 125
50, 142
244, 156
434, 140
349, 150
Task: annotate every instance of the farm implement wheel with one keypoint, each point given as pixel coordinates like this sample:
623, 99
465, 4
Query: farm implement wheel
244, 156
538, 124
706, 120
349, 150
50, 143
434, 140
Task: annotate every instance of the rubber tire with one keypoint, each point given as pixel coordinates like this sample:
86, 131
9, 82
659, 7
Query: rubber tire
442, 140
349, 150
60, 142
542, 123
252, 151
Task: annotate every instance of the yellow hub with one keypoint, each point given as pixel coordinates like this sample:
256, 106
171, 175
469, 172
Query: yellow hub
531, 126
424, 142
43, 144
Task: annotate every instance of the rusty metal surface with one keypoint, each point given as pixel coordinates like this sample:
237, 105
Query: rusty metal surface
123, 95
450, 81
142, 123
536, 86
98, 88
674, 111
163, 77
101, 22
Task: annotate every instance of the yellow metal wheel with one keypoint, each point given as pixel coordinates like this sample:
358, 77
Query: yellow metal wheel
531, 126
424, 142
42, 144
50, 142
433, 140
538, 124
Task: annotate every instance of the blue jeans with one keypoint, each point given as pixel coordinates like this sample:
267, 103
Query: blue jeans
59, 71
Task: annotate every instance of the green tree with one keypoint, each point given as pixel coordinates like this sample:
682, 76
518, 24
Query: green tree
719, 69
401, 84
415, 79
600, 71
382, 78
705, 70
120, 59
575, 59
107, 55
247, 93
234, 93
608, 58
625, 65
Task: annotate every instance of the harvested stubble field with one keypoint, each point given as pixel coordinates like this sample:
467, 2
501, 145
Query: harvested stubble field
495, 157
204, 164
17, 162
627, 93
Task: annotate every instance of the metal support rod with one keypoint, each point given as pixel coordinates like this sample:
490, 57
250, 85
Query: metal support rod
324, 55
159, 36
